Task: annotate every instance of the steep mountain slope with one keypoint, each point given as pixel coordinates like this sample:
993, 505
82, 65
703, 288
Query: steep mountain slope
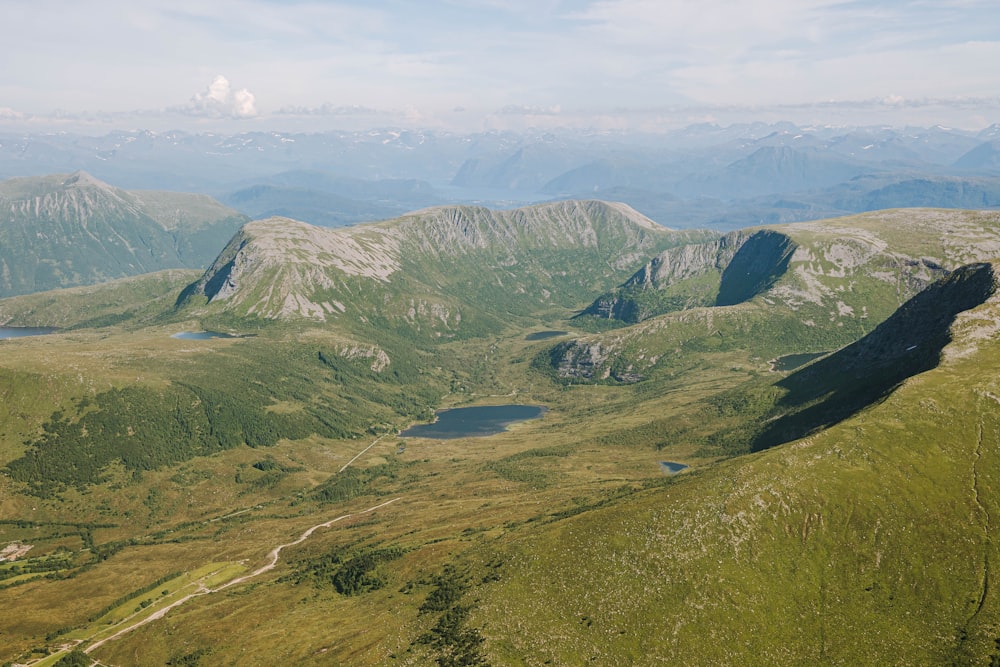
867, 543
406, 287
441, 269
66, 230
909, 342
731, 270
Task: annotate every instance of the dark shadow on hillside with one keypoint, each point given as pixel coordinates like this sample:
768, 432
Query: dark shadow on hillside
211, 287
759, 261
757, 265
186, 294
867, 371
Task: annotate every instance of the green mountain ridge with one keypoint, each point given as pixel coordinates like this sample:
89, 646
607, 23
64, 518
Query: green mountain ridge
130, 300
68, 230
431, 268
909, 342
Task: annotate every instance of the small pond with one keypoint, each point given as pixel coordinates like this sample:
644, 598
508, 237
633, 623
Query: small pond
21, 332
790, 362
201, 335
671, 468
545, 335
473, 422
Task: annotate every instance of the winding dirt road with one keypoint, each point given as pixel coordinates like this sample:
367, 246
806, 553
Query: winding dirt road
272, 560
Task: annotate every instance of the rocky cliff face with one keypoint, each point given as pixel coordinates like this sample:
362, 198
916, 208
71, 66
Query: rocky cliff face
66, 230
906, 248
730, 270
432, 265
274, 268
690, 261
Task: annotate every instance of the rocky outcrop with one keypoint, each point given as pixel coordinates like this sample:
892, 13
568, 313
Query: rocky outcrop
274, 268
690, 261
379, 359
755, 267
732, 269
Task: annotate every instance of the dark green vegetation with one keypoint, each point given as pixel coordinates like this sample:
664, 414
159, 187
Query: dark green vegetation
71, 229
839, 513
349, 574
227, 403
127, 302
75, 658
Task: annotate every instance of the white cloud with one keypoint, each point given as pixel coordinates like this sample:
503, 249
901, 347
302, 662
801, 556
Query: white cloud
219, 100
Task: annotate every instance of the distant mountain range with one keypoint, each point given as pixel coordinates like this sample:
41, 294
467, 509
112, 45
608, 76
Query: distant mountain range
700, 176
322, 198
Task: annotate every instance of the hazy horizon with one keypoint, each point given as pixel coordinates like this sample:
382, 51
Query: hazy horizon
472, 65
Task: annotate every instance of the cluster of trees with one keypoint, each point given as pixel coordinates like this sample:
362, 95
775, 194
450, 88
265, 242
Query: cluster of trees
75, 658
349, 574
449, 587
191, 659
220, 407
520, 467
53, 563
146, 429
353, 482
454, 642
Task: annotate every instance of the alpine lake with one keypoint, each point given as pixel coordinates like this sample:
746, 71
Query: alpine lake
22, 332
473, 422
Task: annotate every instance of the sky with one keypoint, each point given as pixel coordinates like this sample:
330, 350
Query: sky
470, 65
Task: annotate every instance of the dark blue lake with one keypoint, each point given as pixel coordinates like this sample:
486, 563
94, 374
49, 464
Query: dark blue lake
672, 468
201, 335
474, 422
21, 332
545, 335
